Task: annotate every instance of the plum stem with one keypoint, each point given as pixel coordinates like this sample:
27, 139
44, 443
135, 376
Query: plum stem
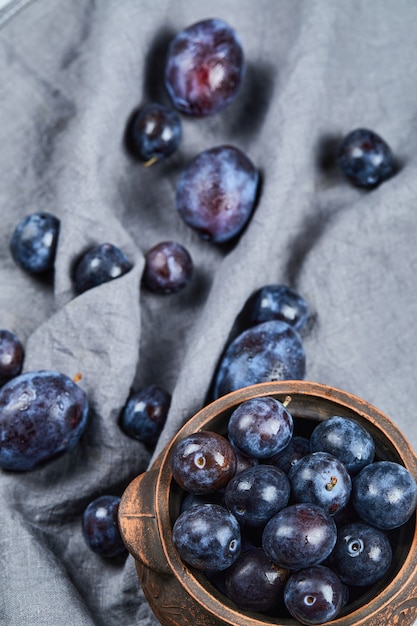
151, 161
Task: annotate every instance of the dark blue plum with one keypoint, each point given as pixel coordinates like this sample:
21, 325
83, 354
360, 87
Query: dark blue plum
11, 356
297, 448
345, 439
205, 67
300, 535
257, 493
216, 193
100, 264
384, 494
362, 554
168, 268
255, 583
42, 414
278, 302
207, 537
322, 479
155, 133
365, 158
100, 527
203, 462
144, 415
34, 242
269, 351
314, 595
260, 427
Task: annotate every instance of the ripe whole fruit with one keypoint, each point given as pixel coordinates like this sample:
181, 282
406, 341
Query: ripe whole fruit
205, 67
216, 193
144, 414
100, 264
278, 302
300, 535
42, 414
207, 536
260, 427
362, 554
257, 493
34, 242
100, 527
269, 351
321, 478
365, 158
155, 133
168, 268
345, 439
203, 462
314, 595
384, 494
254, 582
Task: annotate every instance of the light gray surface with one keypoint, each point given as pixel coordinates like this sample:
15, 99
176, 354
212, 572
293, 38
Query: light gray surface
72, 72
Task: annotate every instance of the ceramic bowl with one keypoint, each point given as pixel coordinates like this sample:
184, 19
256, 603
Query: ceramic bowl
181, 596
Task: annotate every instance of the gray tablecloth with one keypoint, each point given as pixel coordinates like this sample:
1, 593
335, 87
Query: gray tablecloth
72, 72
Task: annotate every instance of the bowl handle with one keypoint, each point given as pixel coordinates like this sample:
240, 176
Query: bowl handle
138, 524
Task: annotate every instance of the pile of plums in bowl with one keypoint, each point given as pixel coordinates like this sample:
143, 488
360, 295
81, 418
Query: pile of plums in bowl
281, 503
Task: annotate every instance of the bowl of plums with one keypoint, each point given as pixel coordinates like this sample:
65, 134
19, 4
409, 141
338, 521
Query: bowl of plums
280, 503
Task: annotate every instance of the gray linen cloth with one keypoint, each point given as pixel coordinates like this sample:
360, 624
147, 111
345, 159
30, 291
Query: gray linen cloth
72, 72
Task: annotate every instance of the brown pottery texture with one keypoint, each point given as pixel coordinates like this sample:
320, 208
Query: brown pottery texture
180, 596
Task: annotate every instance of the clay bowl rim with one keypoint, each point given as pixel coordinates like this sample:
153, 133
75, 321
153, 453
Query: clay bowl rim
196, 585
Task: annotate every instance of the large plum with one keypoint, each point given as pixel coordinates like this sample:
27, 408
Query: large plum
269, 351
42, 414
205, 67
216, 193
